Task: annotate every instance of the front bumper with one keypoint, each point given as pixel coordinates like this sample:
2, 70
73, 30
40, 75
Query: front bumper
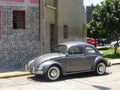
33, 70
109, 64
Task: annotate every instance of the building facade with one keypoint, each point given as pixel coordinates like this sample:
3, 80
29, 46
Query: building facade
21, 35
67, 19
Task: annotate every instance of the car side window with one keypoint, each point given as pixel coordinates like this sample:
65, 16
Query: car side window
75, 50
90, 50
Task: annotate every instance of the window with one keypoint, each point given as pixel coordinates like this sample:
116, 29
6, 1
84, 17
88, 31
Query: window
75, 50
0, 24
52, 37
90, 50
65, 31
34, 1
18, 19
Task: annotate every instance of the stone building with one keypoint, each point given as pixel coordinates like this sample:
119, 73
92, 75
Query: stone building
21, 35
19, 32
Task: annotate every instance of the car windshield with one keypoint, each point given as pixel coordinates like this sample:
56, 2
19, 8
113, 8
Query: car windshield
61, 49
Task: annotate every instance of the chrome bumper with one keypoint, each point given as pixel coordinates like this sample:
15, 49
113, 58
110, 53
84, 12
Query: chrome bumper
33, 70
109, 64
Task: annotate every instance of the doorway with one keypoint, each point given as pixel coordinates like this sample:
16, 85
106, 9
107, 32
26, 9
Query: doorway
53, 38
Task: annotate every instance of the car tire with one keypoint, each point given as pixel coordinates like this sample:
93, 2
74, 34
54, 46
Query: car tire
100, 68
53, 73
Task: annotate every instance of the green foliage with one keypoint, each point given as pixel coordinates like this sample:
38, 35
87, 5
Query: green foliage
106, 20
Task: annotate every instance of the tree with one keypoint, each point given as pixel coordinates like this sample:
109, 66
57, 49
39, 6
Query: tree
108, 17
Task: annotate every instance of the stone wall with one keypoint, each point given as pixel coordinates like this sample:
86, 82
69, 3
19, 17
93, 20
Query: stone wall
18, 46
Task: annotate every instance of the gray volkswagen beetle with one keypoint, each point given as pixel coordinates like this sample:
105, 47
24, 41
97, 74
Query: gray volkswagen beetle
68, 58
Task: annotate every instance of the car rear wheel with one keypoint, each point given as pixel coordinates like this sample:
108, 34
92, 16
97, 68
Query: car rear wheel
100, 68
53, 73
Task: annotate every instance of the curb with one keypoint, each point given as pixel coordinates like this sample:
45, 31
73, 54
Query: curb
14, 74
115, 63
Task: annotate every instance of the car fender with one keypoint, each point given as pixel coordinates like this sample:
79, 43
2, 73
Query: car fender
48, 64
97, 60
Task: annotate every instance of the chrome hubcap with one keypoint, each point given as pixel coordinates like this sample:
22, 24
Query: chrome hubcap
101, 68
54, 73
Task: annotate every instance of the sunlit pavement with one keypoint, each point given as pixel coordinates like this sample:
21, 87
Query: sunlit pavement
84, 81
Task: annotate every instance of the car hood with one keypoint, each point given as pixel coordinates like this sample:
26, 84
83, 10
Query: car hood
46, 57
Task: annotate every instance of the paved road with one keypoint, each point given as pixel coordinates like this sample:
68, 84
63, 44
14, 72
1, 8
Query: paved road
86, 81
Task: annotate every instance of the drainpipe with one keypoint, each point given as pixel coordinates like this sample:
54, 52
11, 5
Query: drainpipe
42, 27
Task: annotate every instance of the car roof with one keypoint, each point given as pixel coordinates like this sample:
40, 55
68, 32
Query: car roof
74, 43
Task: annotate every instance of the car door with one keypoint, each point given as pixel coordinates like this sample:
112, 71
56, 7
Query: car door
90, 55
75, 60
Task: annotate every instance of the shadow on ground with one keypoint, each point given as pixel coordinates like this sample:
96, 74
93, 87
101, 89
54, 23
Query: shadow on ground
101, 87
67, 77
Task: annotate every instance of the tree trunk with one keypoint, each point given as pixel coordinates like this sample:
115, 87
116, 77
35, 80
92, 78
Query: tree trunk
117, 44
115, 50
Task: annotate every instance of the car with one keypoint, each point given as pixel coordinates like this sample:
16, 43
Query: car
92, 41
114, 43
101, 41
68, 58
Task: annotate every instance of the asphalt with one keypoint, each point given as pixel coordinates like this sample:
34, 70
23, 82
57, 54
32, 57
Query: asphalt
23, 73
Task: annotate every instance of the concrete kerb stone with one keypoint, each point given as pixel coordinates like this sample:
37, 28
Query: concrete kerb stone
14, 74
115, 62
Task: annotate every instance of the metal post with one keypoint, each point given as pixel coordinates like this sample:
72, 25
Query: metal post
42, 27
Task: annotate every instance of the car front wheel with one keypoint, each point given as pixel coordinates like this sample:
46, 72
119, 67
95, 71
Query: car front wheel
100, 68
53, 73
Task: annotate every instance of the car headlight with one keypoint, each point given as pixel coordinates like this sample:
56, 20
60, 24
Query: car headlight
40, 67
30, 63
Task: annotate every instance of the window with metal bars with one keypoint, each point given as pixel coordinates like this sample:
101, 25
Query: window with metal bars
0, 23
18, 19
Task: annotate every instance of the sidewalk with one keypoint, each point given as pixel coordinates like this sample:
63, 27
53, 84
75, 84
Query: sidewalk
23, 73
